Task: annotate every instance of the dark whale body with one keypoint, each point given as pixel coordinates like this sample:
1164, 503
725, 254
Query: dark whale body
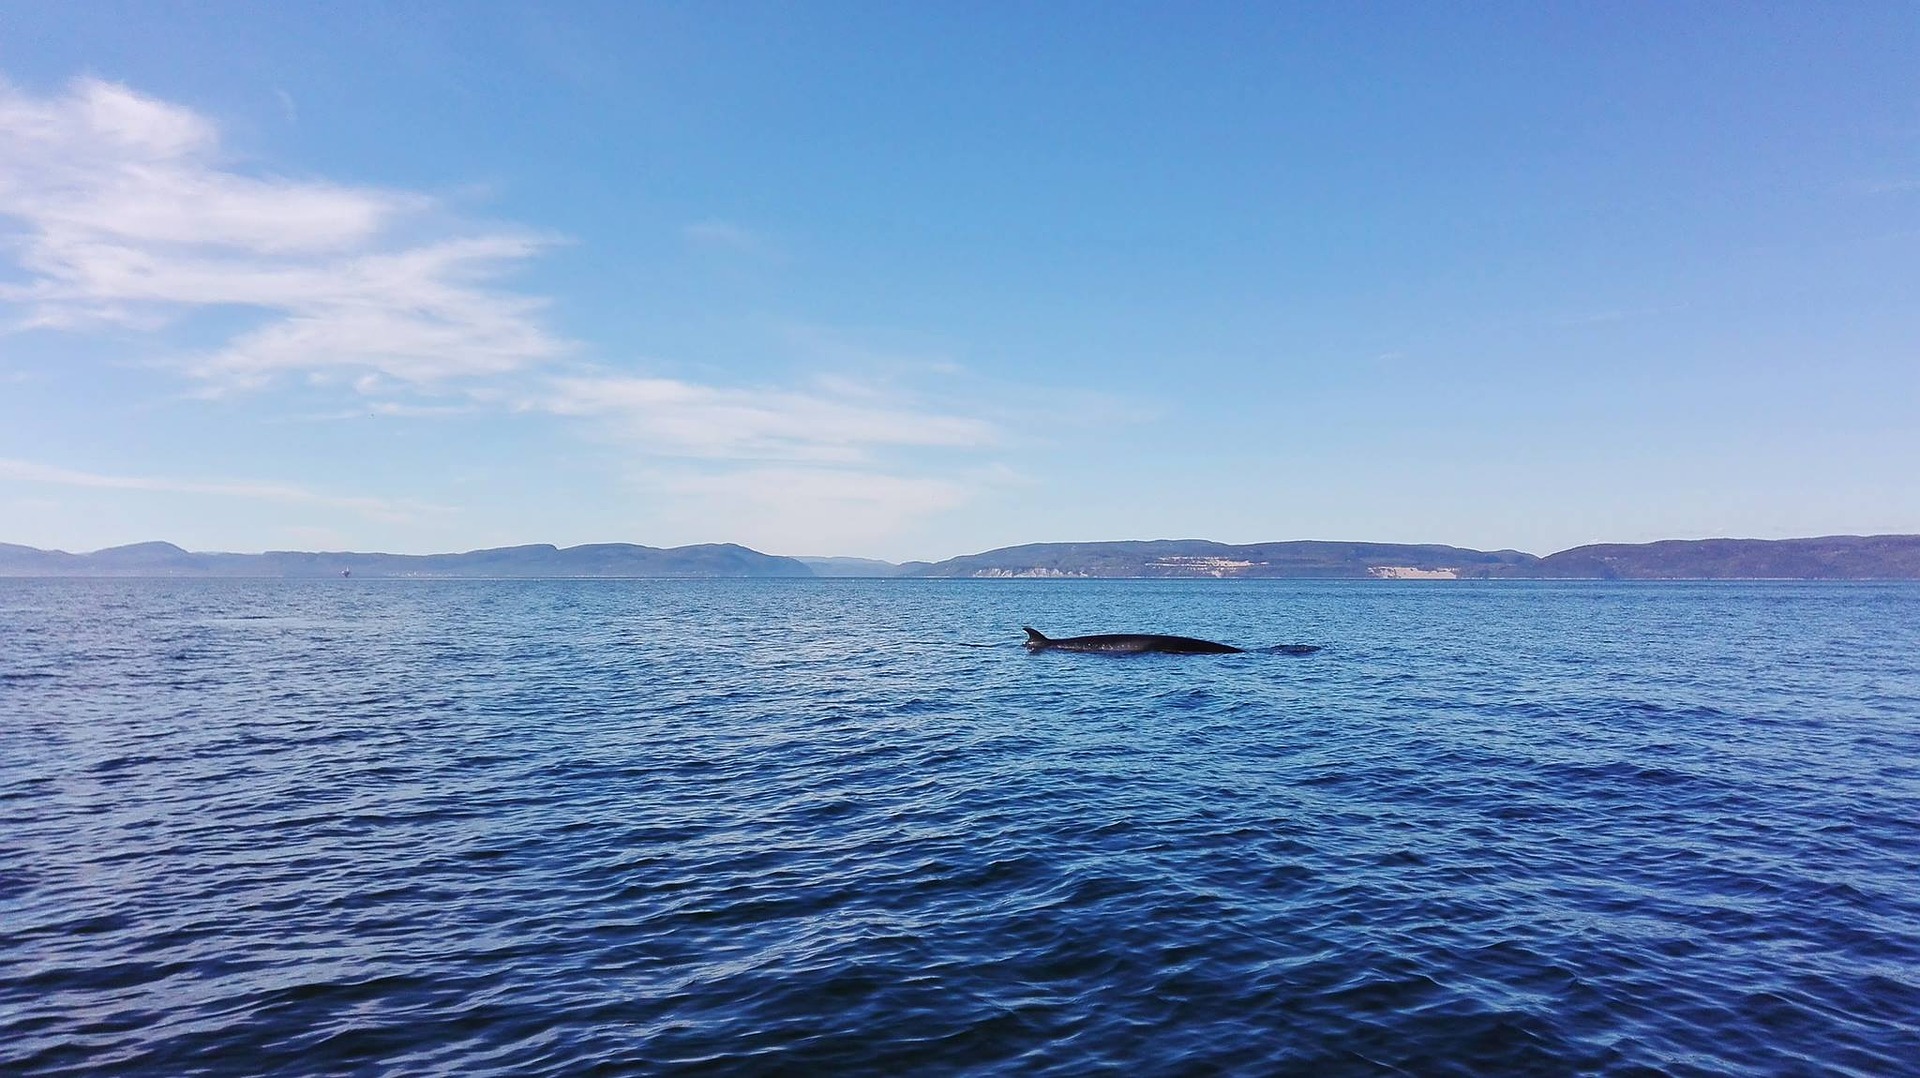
1128, 644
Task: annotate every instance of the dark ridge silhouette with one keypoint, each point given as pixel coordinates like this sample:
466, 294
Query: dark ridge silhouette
1834, 557
541, 560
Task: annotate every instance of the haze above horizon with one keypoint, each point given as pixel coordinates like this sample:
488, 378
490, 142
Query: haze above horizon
914, 282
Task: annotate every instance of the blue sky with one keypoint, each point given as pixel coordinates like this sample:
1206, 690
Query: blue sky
915, 280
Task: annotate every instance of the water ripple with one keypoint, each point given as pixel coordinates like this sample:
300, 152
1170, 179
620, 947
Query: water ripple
627, 827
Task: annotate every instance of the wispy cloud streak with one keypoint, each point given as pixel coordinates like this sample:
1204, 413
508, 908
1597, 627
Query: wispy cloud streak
31, 472
834, 423
127, 212
729, 237
120, 210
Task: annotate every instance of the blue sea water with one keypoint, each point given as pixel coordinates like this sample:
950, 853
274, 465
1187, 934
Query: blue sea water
809, 827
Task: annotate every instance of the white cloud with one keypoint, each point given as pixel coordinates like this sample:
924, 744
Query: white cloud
120, 210
128, 212
379, 508
839, 421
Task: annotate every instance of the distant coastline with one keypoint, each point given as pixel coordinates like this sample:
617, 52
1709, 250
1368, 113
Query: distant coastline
1835, 557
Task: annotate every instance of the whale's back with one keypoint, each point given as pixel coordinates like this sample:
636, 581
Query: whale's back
1128, 644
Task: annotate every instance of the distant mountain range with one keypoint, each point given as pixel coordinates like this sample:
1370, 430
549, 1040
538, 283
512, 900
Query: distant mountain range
1832, 557
1198, 557
1839, 557
542, 560
1836, 557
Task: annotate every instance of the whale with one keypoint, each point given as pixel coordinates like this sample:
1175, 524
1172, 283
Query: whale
1127, 644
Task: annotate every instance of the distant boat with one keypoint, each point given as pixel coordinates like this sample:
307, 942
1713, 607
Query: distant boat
346, 572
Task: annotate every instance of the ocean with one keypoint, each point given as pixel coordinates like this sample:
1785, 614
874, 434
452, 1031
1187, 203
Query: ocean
851, 827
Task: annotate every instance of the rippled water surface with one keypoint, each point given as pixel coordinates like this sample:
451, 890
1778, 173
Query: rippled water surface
562, 827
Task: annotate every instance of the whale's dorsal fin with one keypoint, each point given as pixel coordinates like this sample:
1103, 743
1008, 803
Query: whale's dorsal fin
1034, 636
